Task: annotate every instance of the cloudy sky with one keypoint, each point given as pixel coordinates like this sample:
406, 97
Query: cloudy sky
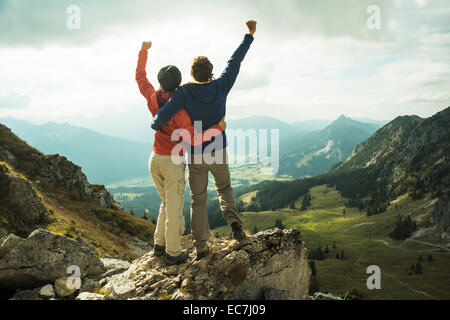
310, 59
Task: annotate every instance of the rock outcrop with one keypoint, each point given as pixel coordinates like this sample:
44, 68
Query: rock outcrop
114, 266
42, 258
50, 192
273, 266
90, 296
54, 170
441, 217
408, 155
23, 205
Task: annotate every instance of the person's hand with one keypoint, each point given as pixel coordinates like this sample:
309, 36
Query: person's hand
223, 123
251, 25
146, 45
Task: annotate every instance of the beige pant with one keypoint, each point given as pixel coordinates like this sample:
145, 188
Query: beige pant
170, 183
198, 183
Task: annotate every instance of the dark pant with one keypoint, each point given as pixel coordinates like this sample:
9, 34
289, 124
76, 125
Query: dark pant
198, 183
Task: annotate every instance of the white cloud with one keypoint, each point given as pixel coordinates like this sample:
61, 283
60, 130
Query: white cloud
10, 99
308, 60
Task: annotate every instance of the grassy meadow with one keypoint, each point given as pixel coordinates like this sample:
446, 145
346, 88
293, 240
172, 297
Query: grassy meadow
365, 241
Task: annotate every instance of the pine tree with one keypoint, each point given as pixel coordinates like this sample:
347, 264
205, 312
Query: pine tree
418, 268
342, 254
306, 202
279, 224
334, 244
420, 258
326, 250
337, 255
403, 228
255, 230
292, 205
430, 258
317, 254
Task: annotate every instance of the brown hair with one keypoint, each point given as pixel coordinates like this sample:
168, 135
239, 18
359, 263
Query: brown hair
201, 69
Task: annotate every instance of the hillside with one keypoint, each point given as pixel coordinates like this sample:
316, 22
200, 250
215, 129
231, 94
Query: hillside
362, 240
120, 162
316, 152
409, 155
104, 159
48, 191
386, 205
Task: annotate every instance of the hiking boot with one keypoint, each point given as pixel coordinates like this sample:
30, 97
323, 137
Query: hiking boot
202, 254
181, 258
158, 251
238, 234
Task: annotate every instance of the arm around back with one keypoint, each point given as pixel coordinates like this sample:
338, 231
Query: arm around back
167, 111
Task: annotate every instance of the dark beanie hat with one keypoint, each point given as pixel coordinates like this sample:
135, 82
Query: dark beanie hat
169, 78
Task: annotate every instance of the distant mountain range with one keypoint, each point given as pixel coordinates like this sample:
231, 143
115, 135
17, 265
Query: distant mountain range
51, 192
409, 155
104, 159
112, 160
316, 152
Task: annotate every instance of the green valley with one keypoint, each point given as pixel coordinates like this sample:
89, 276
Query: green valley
365, 241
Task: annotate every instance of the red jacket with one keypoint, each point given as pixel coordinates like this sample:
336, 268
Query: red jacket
163, 143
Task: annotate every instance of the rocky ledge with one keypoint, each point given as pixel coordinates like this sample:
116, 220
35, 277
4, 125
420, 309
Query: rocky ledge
273, 265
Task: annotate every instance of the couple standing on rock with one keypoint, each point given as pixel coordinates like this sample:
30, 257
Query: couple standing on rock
190, 119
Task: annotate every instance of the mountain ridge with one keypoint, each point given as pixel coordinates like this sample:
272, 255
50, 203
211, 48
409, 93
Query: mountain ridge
49, 191
105, 159
409, 155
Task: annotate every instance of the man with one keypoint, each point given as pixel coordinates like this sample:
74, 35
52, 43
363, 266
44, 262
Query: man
168, 175
205, 100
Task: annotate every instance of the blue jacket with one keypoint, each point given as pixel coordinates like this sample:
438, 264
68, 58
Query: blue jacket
205, 102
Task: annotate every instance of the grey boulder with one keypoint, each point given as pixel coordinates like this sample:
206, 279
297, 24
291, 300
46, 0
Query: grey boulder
114, 266
90, 296
44, 257
47, 292
120, 287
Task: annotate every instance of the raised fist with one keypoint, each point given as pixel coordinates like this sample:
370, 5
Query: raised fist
146, 45
251, 25
223, 123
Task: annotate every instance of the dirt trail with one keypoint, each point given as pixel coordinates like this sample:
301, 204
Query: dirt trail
407, 286
407, 240
426, 243
358, 225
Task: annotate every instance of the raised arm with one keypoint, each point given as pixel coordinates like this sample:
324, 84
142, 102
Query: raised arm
167, 111
145, 87
229, 75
